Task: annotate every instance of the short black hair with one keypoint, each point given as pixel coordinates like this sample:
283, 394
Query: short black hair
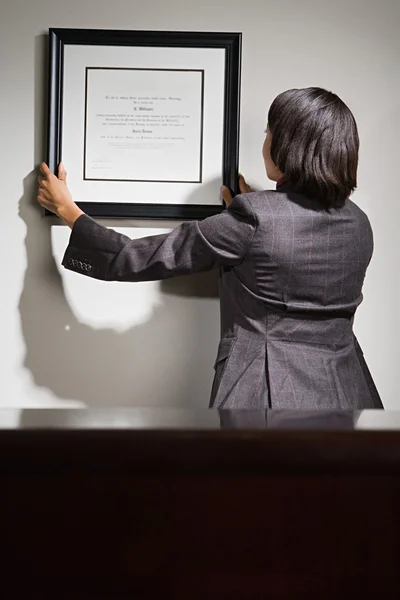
315, 144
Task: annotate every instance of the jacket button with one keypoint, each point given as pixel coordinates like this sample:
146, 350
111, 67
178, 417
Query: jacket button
70, 262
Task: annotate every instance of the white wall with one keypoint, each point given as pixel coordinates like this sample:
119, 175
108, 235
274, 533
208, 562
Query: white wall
69, 340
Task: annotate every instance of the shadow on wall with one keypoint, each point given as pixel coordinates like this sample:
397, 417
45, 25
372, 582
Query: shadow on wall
163, 362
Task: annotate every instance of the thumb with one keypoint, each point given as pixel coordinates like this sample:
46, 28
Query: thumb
226, 195
244, 188
62, 173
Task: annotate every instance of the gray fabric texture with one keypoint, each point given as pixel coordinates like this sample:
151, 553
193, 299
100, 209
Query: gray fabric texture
291, 278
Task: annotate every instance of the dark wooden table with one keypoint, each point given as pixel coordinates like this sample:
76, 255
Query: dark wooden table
207, 504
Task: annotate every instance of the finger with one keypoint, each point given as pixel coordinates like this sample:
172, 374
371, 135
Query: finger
41, 194
43, 191
48, 207
42, 200
45, 169
62, 173
243, 187
226, 195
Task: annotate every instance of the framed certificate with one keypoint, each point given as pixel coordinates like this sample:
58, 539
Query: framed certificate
145, 122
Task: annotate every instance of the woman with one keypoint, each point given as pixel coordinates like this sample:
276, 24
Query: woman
292, 263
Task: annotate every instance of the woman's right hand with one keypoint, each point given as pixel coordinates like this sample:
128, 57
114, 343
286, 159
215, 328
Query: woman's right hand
54, 195
243, 189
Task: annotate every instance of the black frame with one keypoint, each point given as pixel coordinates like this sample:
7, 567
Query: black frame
230, 42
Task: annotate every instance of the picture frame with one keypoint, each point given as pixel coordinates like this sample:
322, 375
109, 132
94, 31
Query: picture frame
123, 164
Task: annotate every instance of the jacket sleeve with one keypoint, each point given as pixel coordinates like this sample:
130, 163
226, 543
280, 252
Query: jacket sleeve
102, 253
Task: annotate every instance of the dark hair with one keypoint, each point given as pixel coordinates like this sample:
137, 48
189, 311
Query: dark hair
315, 144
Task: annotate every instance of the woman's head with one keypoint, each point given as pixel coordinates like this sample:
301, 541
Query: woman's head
312, 140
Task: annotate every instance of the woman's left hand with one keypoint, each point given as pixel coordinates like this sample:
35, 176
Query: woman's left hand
54, 195
243, 189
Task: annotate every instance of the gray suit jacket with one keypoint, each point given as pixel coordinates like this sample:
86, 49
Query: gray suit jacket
290, 282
